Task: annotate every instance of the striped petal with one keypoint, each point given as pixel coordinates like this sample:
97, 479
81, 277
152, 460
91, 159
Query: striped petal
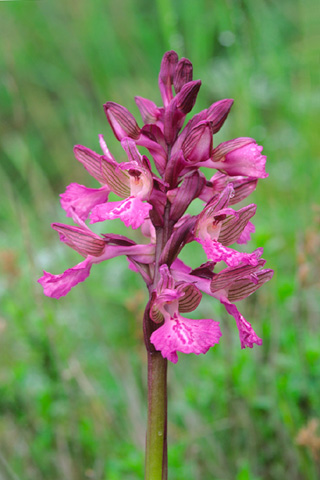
80, 239
234, 225
246, 286
230, 275
226, 147
191, 298
91, 162
117, 179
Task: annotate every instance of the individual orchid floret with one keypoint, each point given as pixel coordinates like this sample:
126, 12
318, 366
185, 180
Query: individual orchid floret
218, 226
133, 210
242, 186
230, 285
96, 250
241, 156
178, 333
78, 200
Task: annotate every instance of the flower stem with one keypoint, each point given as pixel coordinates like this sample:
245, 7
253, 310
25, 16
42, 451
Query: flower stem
156, 443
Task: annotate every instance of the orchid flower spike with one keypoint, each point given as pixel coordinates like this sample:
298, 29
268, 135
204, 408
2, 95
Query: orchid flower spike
155, 191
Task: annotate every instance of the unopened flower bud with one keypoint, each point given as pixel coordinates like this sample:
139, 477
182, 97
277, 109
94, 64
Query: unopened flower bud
183, 74
198, 145
187, 96
218, 113
167, 69
121, 121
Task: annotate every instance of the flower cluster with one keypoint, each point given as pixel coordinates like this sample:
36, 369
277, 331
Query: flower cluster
157, 203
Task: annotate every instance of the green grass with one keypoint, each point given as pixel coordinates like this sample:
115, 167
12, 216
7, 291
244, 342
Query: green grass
73, 371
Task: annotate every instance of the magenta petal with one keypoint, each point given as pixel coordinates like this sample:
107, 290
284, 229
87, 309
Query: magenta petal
248, 336
246, 233
148, 109
186, 336
57, 286
132, 211
217, 252
80, 200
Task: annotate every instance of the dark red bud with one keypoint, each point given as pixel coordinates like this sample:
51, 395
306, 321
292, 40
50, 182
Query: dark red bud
183, 74
218, 113
168, 66
187, 96
198, 144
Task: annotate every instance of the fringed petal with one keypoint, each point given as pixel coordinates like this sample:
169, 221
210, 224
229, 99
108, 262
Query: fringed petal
248, 336
185, 335
57, 286
132, 211
217, 252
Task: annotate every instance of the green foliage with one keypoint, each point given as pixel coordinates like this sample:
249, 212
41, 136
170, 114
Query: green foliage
72, 375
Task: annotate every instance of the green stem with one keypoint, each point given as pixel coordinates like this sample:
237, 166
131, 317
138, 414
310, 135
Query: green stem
156, 443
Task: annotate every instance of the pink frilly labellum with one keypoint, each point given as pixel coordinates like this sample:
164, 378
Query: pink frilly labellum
132, 211
153, 194
179, 333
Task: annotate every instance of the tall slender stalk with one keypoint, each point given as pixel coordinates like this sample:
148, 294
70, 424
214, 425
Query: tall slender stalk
156, 461
156, 443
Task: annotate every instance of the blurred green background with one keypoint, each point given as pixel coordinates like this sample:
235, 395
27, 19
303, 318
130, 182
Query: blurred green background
73, 371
